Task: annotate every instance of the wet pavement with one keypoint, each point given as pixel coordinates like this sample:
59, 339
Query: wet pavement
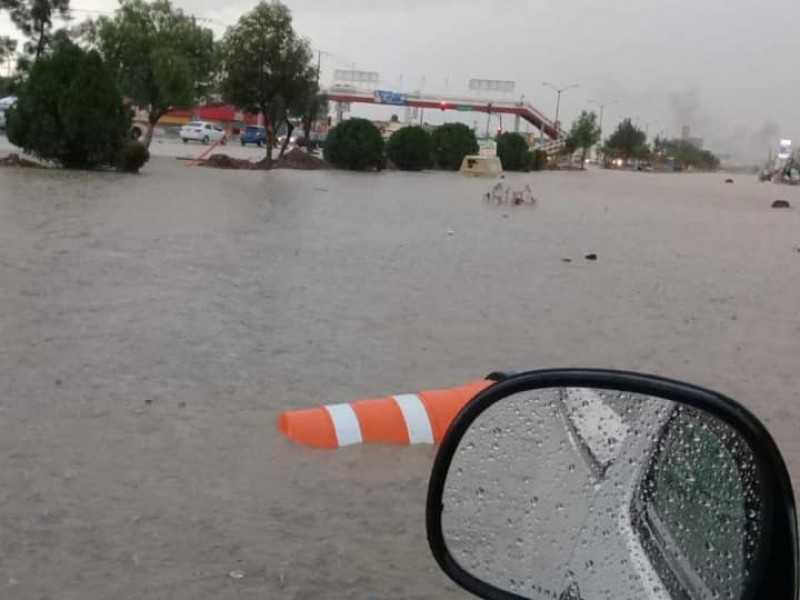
153, 327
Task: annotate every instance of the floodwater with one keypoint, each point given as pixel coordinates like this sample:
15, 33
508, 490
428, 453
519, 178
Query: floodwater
153, 326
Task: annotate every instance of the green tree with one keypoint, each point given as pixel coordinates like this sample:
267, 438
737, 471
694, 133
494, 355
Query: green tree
6, 86
512, 150
316, 107
355, 144
451, 143
160, 57
584, 133
268, 67
569, 149
687, 155
34, 19
627, 141
410, 148
536, 160
69, 110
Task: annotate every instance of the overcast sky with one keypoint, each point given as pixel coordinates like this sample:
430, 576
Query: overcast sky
726, 69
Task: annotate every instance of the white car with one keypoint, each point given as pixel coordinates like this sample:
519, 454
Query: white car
201, 131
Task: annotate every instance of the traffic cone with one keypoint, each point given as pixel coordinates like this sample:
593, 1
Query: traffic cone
421, 418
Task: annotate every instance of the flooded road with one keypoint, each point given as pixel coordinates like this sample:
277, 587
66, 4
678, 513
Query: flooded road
154, 326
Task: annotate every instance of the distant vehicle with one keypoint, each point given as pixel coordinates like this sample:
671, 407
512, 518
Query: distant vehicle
254, 134
200, 131
311, 143
5, 104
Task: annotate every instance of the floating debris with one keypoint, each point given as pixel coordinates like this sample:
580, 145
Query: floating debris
237, 574
503, 194
781, 204
591, 256
729, 181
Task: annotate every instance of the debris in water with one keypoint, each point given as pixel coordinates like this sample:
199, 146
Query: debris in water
781, 204
450, 232
566, 260
592, 256
237, 574
729, 181
502, 194
148, 401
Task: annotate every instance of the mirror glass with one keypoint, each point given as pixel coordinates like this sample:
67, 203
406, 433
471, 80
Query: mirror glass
575, 493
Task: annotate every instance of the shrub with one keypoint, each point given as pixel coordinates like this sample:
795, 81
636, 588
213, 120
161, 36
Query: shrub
451, 143
69, 110
536, 160
355, 144
132, 157
512, 150
409, 148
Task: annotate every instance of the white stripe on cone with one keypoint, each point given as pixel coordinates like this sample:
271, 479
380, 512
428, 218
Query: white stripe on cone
348, 429
418, 424
345, 424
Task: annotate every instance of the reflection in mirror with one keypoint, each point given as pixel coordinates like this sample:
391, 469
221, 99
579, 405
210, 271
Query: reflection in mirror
578, 493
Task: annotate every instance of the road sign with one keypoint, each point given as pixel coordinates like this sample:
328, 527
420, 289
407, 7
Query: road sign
464, 108
390, 97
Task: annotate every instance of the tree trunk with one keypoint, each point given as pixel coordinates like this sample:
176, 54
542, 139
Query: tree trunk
583, 158
270, 135
152, 120
289, 130
40, 41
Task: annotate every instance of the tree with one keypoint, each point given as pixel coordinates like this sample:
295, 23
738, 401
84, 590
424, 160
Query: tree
687, 155
69, 110
569, 149
409, 148
34, 19
160, 57
6, 86
628, 141
316, 107
268, 68
512, 150
584, 133
355, 144
451, 143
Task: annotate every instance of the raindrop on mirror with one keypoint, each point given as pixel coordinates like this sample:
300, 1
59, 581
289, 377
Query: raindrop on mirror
617, 494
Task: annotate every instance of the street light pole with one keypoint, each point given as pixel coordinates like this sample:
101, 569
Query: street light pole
558, 92
602, 106
647, 126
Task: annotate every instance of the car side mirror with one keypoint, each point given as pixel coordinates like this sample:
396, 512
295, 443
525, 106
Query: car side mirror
591, 484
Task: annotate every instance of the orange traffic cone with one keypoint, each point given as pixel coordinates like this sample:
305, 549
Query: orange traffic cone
421, 418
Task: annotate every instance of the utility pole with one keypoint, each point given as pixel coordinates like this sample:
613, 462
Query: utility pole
646, 126
558, 92
602, 106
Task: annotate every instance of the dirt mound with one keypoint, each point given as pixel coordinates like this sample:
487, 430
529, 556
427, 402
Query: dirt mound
223, 161
294, 159
15, 160
298, 159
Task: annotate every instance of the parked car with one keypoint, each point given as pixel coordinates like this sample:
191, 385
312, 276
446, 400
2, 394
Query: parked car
254, 134
200, 131
5, 104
